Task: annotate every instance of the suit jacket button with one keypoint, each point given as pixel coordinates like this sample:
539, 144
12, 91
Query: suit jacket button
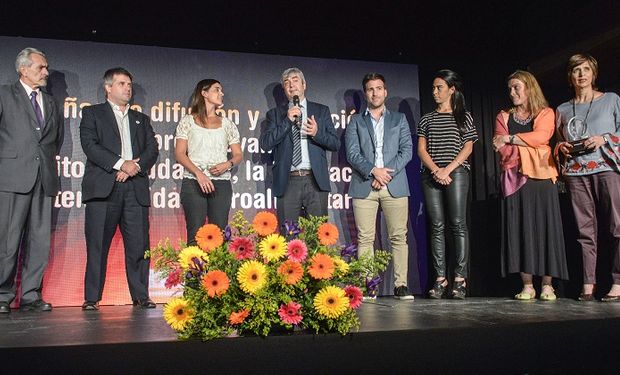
36, 158
38, 128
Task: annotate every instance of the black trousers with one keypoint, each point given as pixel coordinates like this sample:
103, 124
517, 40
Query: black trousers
302, 195
199, 206
102, 218
448, 204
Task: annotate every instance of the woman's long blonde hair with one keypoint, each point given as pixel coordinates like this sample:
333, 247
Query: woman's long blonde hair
535, 98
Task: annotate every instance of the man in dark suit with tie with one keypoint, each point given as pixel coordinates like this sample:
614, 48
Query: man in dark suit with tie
298, 133
120, 148
31, 132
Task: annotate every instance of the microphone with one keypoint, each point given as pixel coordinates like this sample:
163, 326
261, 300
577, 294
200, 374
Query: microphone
296, 120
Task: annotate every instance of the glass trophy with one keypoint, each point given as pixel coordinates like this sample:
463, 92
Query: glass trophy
577, 130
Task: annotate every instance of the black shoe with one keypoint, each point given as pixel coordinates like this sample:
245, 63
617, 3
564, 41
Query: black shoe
439, 289
609, 298
459, 290
90, 306
586, 297
5, 308
401, 292
144, 303
38, 305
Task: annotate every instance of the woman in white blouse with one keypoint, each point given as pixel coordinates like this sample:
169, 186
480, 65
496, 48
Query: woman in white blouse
203, 140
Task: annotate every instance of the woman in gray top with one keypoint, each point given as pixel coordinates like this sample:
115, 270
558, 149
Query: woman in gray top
589, 125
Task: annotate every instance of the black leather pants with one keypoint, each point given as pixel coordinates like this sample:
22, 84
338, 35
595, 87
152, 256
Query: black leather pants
448, 204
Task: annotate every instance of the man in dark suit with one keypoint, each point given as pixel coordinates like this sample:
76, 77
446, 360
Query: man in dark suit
379, 146
120, 148
298, 133
31, 132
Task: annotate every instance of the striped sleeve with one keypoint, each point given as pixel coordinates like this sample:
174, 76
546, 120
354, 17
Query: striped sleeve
470, 133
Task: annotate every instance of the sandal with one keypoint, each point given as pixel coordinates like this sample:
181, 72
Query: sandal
459, 290
527, 293
547, 293
439, 289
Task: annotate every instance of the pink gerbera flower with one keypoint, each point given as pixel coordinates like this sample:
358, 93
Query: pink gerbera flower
174, 278
355, 296
242, 248
289, 313
297, 250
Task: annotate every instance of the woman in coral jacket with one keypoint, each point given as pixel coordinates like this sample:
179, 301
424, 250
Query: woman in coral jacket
532, 237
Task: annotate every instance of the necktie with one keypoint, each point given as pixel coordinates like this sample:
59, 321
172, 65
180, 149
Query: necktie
296, 145
37, 109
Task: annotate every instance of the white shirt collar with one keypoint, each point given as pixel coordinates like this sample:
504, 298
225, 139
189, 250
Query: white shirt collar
383, 112
29, 89
118, 108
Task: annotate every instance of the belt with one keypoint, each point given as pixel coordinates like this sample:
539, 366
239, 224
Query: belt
301, 172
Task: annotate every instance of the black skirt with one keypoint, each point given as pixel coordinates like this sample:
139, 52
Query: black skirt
532, 235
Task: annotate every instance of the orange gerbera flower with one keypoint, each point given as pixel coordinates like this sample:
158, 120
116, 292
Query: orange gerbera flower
265, 223
321, 266
328, 234
292, 272
209, 237
238, 317
216, 283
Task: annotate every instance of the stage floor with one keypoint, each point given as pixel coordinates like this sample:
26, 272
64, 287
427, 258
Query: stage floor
478, 335
125, 324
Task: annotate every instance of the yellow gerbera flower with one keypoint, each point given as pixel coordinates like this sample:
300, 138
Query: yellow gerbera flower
273, 247
252, 276
187, 255
178, 313
331, 302
341, 265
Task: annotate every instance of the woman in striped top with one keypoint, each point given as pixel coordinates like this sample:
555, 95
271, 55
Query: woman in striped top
445, 141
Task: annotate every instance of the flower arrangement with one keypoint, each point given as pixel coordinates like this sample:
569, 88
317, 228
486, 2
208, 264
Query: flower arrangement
251, 279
